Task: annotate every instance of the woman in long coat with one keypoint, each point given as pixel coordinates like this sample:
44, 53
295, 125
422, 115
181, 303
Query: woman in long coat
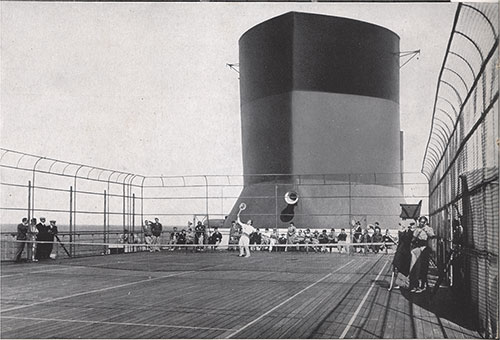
402, 257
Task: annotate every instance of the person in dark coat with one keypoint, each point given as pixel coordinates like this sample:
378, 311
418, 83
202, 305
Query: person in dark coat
52, 232
22, 236
402, 257
43, 236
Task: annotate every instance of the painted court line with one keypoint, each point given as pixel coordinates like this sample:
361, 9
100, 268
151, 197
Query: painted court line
94, 291
351, 321
36, 272
282, 303
115, 323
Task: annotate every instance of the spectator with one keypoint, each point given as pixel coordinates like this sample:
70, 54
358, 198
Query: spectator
273, 238
32, 238
174, 235
190, 236
156, 229
148, 234
377, 238
42, 236
234, 235
332, 237
420, 256
299, 239
356, 236
402, 257
199, 236
181, 239
256, 238
266, 237
323, 239
52, 234
216, 238
342, 240
290, 236
21, 237
365, 240
282, 240
388, 241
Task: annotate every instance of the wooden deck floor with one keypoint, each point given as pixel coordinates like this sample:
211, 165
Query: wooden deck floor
219, 295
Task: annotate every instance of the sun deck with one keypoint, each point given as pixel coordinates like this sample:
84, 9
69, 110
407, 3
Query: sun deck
219, 295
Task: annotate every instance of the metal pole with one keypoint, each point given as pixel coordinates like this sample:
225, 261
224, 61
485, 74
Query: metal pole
123, 214
206, 201
74, 204
350, 212
142, 207
133, 213
276, 205
29, 201
71, 220
104, 211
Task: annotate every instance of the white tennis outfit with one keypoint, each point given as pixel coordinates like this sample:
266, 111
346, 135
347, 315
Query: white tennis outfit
244, 242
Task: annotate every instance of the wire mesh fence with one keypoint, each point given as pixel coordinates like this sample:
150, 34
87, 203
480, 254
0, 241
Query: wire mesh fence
95, 205
461, 159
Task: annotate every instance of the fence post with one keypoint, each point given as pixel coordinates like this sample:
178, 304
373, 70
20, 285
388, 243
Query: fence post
123, 214
350, 248
206, 201
133, 213
71, 221
276, 205
104, 227
29, 201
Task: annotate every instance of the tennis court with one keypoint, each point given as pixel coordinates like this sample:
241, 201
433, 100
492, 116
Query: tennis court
214, 294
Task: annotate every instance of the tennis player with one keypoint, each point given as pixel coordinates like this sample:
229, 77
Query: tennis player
244, 242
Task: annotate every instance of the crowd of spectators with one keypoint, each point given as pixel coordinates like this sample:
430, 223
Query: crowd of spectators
37, 238
370, 239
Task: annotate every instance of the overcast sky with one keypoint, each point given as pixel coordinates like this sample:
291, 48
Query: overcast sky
144, 87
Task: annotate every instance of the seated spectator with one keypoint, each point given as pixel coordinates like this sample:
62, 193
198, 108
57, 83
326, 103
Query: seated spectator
273, 239
311, 238
357, 231
215, 239
377, 238
388, 241
283, 239
256, 238
181, 237
323, 239
365, 239
190, 237
332, 237
266, 237
342, 240
174, 235
300, 239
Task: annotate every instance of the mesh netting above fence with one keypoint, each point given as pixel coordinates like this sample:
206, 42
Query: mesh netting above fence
461, 160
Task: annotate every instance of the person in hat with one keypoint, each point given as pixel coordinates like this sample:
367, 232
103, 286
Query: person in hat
42, 236
21, 237
32, 231
421, 251
148, 235
156, 230
290, 235
52, 234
